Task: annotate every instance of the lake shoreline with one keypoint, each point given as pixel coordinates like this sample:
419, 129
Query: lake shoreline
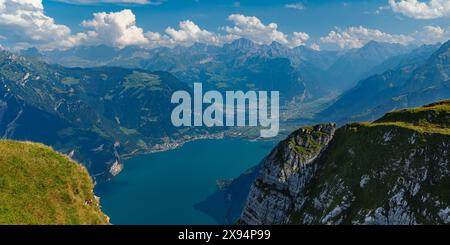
163, 187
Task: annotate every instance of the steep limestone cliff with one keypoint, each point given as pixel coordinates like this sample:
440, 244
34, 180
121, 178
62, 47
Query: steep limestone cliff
285, 172
392, 171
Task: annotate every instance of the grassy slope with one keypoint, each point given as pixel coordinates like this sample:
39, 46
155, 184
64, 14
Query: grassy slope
41, 186
432, 118
394, 152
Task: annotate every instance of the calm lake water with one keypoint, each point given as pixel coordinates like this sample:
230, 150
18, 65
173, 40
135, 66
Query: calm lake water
161, 188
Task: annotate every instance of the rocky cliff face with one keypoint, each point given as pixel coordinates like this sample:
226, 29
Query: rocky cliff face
392, 171
285, 172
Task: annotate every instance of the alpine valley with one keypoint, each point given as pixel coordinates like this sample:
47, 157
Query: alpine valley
95, 115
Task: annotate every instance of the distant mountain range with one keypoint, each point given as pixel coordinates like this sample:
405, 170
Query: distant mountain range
242, 64
411, 80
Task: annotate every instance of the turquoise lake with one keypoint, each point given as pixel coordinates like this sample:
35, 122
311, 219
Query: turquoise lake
161, 188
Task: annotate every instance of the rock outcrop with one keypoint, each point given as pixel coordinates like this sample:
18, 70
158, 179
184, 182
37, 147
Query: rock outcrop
285, 172
392, 171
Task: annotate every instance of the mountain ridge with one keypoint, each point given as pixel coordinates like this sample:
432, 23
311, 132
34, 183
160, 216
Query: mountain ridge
317, 66
95, 114
408, 86
365, 174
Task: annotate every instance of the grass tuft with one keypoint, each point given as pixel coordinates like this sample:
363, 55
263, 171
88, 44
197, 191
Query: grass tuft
40, 186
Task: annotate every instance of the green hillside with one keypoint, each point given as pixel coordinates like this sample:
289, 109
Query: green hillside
41, 186
432, 118
96, 115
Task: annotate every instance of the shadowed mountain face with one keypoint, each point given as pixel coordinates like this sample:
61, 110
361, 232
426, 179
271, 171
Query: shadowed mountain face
410, 85
95, 114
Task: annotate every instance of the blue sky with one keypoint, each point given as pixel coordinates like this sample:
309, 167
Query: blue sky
354, 22
318, 16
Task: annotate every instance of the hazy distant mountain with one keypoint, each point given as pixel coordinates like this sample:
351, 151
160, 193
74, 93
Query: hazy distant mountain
241, 45
408, 86
240, 65
356, 63
93, 56
32, 52
416, 56
244, 64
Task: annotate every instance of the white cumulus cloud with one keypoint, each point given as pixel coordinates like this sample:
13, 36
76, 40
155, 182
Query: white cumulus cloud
315, 47
298, 38
189, 33
23, 23
356, 37
252, 28
421, 9
248, 27
117, 29
432, 35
